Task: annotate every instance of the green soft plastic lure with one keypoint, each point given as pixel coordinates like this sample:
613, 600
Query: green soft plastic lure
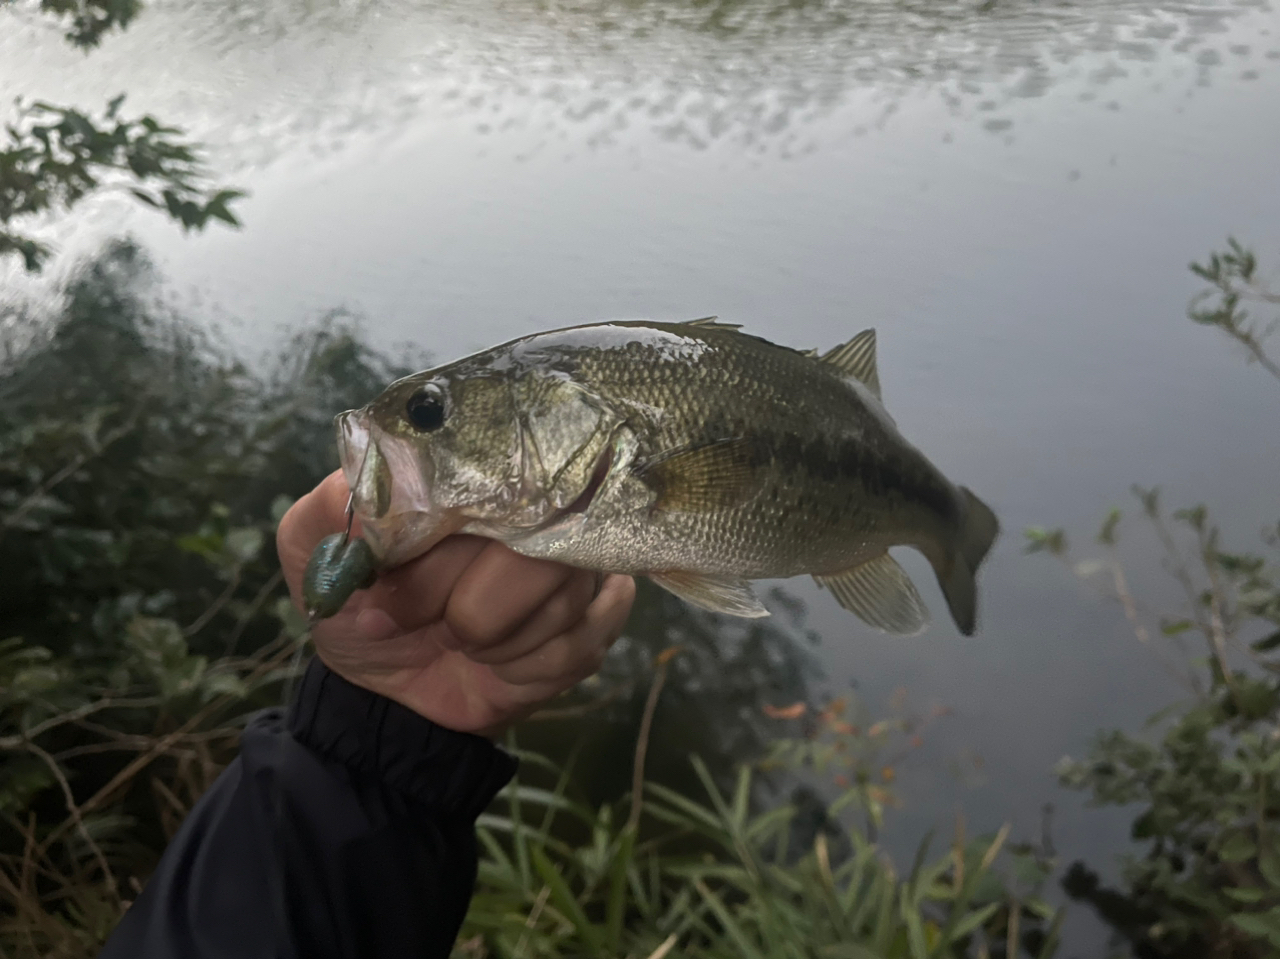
339, 565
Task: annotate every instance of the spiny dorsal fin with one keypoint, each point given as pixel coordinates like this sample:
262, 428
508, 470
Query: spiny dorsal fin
695, 479
857, 358
880, 593
711, 323
719, 594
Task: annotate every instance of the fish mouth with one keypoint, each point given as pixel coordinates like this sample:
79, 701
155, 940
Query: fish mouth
388, 493
355, 440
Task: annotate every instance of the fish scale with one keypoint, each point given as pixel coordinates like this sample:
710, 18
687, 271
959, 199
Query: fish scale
796, 522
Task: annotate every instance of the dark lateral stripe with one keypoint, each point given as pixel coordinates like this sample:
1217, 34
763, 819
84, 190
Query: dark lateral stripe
844, 461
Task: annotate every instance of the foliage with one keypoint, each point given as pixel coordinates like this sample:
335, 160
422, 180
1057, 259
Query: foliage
57, 156
1233, 274
714, 879
141, 475
859, 753
1207, 879
88, 21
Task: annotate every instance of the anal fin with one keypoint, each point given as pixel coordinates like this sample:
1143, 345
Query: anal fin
719, 594
880, 593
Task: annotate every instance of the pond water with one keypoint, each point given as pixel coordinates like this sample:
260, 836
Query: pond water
1010, 192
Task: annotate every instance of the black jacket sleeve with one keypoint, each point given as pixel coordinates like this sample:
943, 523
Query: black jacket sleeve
345, 828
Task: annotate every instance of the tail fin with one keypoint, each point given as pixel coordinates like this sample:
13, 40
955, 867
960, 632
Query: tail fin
956, 572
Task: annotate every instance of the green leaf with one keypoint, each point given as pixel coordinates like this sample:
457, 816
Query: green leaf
224, 684
973, 921
244, 543
1267, 643
1269, 864
1040, 540
848, 950
744, 945
1264, 925
295, 624
1107, 535
33, 681
1237, 848
1149, 498
617, 902
279, 506
1245, 895
206, 544
564, 900
916, 940
160, 641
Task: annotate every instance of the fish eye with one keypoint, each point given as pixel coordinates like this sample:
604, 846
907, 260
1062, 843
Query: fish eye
425, 409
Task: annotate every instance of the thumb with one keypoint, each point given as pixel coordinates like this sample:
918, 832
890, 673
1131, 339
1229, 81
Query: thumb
313, 517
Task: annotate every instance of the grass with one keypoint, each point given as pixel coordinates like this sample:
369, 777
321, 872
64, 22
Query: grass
710, 875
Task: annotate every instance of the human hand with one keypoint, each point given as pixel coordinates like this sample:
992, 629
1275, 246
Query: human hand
471, 635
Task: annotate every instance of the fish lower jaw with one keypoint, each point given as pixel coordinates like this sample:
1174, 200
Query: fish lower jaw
407, 536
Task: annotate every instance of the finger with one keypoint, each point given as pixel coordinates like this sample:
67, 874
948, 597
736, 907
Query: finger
313, 517
416, 594
578, 652
559, 613
499, 591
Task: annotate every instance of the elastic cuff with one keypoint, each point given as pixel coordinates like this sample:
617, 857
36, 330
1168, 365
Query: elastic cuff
456, 773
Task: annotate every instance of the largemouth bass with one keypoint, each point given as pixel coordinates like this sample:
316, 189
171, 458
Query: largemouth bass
692, 453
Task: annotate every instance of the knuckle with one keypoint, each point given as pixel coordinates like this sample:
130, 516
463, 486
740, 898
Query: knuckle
590, 659
561, 657
471, 627
508, 674
572, 602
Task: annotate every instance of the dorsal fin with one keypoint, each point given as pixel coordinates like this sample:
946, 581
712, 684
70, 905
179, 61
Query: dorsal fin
857, 358
711, 323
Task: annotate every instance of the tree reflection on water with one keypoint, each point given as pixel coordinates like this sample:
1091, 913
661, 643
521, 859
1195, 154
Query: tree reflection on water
757, 73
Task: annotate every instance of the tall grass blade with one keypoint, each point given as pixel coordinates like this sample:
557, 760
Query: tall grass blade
563, 899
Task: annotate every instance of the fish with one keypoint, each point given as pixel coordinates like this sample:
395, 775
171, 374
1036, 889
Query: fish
690, 452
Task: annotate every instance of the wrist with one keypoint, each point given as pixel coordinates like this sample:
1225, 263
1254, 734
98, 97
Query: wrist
377, 737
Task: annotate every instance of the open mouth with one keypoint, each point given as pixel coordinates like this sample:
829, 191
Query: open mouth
353, 446
398, 519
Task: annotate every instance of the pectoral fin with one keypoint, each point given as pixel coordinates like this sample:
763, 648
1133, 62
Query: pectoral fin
881, 594
719, 594
693, 479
